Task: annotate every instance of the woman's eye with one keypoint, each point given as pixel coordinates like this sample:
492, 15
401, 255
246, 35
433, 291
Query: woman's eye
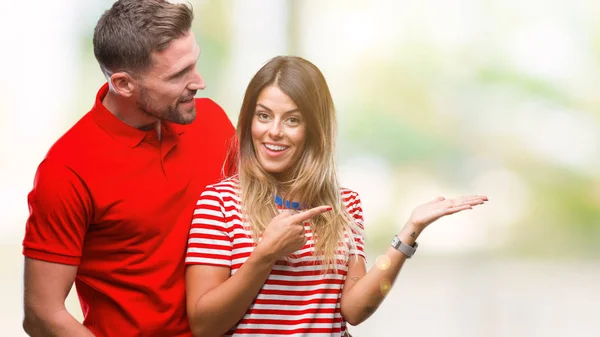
293, 120
262, 116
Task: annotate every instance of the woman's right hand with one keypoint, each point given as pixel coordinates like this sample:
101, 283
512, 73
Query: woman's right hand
285, 233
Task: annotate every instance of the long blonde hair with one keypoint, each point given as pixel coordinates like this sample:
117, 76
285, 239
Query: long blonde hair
314, 179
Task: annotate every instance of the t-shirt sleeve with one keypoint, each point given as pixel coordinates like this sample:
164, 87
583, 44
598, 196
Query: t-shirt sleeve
60, 211
210, 240
354, 208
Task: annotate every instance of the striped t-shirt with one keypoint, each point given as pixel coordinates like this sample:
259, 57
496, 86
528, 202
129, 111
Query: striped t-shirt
298, 298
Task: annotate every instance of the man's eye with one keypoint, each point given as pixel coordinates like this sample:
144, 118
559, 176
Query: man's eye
179, 75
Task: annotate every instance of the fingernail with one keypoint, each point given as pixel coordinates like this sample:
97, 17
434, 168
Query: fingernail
329, 208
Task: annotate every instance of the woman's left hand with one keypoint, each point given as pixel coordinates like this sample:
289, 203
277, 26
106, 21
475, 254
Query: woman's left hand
427, 213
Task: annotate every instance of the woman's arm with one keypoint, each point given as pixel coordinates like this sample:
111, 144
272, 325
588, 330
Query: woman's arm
216, 302
363, 292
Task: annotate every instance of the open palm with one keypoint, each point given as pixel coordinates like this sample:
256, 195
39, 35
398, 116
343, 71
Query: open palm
427, 213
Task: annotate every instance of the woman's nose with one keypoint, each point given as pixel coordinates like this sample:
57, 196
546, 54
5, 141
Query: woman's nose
276, 131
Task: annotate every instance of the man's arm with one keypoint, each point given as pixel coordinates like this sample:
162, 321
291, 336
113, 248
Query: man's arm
47, 285
60, 211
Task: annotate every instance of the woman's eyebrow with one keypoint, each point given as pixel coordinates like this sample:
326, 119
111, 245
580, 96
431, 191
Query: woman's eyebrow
287, 112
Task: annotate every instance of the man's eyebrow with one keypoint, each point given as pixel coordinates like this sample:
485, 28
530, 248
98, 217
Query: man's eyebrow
287, 112
186, 69
182, 71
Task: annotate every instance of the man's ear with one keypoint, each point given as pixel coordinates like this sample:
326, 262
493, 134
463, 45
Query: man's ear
123, 84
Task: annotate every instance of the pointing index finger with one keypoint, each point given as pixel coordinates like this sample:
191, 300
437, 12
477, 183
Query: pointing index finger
303, 216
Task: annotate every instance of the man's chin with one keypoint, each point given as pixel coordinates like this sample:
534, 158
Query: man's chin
186, 117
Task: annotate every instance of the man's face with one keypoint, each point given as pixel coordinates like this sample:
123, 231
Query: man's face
167, 89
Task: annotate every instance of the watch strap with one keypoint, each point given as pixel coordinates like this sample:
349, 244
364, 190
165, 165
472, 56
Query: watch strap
405, 249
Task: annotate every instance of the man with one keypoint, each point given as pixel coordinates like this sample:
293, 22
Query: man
113, 199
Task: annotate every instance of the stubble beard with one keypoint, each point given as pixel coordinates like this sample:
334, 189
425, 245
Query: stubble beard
168, 113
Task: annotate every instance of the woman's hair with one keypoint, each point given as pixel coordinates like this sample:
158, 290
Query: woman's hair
313, 180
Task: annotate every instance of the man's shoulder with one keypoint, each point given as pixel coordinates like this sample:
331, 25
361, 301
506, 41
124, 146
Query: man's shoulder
74, 140
206, 108
207, 103
210, 117
212, 124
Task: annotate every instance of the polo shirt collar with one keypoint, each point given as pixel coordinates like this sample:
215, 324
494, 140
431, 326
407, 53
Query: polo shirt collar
120, 130
173, 128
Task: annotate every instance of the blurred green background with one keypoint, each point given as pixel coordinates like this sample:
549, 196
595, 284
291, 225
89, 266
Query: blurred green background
433, 98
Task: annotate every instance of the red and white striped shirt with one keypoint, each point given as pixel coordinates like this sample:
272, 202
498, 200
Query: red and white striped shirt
298, 298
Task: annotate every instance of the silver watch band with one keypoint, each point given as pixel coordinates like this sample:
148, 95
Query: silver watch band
405, 249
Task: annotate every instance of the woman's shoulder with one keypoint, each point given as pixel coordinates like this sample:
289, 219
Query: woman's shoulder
227, 185
348, 194
351, 199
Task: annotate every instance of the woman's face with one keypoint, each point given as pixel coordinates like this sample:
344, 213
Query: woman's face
278, 132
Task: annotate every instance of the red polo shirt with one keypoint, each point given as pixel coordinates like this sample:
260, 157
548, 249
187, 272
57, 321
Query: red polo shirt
117, 202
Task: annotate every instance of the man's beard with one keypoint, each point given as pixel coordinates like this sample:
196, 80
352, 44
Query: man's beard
169, 113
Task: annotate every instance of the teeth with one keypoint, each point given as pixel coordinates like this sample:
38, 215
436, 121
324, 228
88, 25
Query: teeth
275, 147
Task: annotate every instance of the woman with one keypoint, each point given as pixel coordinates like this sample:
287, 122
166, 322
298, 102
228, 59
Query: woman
278, 249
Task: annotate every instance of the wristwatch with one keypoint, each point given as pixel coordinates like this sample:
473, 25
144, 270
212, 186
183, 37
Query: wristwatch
403, 247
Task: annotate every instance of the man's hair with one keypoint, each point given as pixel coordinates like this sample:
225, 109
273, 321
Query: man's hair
131, 30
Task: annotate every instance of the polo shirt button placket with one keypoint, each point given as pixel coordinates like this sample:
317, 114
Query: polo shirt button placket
152, 138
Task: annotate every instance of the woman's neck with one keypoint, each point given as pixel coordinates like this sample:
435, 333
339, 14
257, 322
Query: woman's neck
288, 204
